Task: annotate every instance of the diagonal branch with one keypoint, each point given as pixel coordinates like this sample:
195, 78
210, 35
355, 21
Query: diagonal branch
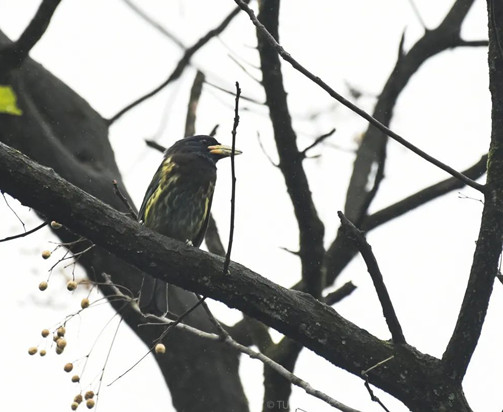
269, 38
373, 268
180, 67
422, 197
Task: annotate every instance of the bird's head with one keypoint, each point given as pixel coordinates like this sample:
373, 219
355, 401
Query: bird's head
204, 146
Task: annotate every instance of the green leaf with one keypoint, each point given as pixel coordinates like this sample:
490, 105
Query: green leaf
8, 101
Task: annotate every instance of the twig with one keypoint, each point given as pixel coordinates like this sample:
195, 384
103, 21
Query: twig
296, 65
180, 67
224, 337
124, 200
233, 185
13, 211
417, 14
106, 360
29, 232
316, 142
285, 373
373, 268
367, 384
17, 52
248, 99
264, 151
154, 23
214, 130
153, 144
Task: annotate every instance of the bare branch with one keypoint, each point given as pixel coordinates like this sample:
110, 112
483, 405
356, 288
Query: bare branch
154, 23
295, 64
422, 197
317, 141
124, 200
29, 232
373, 268
233, 181
154, 145
180, 67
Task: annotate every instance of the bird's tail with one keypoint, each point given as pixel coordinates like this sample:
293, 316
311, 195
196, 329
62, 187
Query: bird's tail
153, 296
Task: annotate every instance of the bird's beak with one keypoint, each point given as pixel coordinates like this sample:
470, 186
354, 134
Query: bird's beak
223, 150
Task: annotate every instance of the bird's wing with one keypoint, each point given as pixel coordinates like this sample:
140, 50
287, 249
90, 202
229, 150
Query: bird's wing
200, 236
154, 185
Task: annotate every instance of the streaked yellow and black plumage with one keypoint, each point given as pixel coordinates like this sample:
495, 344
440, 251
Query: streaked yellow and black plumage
178, 201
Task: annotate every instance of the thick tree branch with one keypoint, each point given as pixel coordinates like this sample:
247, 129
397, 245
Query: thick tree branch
486, 259
297, 315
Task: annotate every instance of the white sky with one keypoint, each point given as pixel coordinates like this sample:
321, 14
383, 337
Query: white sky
110, 57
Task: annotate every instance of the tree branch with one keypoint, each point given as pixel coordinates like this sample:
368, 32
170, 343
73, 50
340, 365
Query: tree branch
269, 38
180, 67
373, 268
422, 197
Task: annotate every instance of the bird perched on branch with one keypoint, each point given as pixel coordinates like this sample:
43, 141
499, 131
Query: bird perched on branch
177, 203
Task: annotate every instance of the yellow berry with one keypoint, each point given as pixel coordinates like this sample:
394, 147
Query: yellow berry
160, 349
75, 378
84, 303
74, 406
32, 350
59, 351
61, 331
46, 254
61, 342
89, 395
56, 225
45, 333
42, 285
71, 285
43, 352
68, 367
78, 398
90, 403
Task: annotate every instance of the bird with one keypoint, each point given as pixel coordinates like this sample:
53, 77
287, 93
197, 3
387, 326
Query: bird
177, 204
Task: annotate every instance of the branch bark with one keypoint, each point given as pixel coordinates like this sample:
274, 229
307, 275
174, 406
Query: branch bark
486, 259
